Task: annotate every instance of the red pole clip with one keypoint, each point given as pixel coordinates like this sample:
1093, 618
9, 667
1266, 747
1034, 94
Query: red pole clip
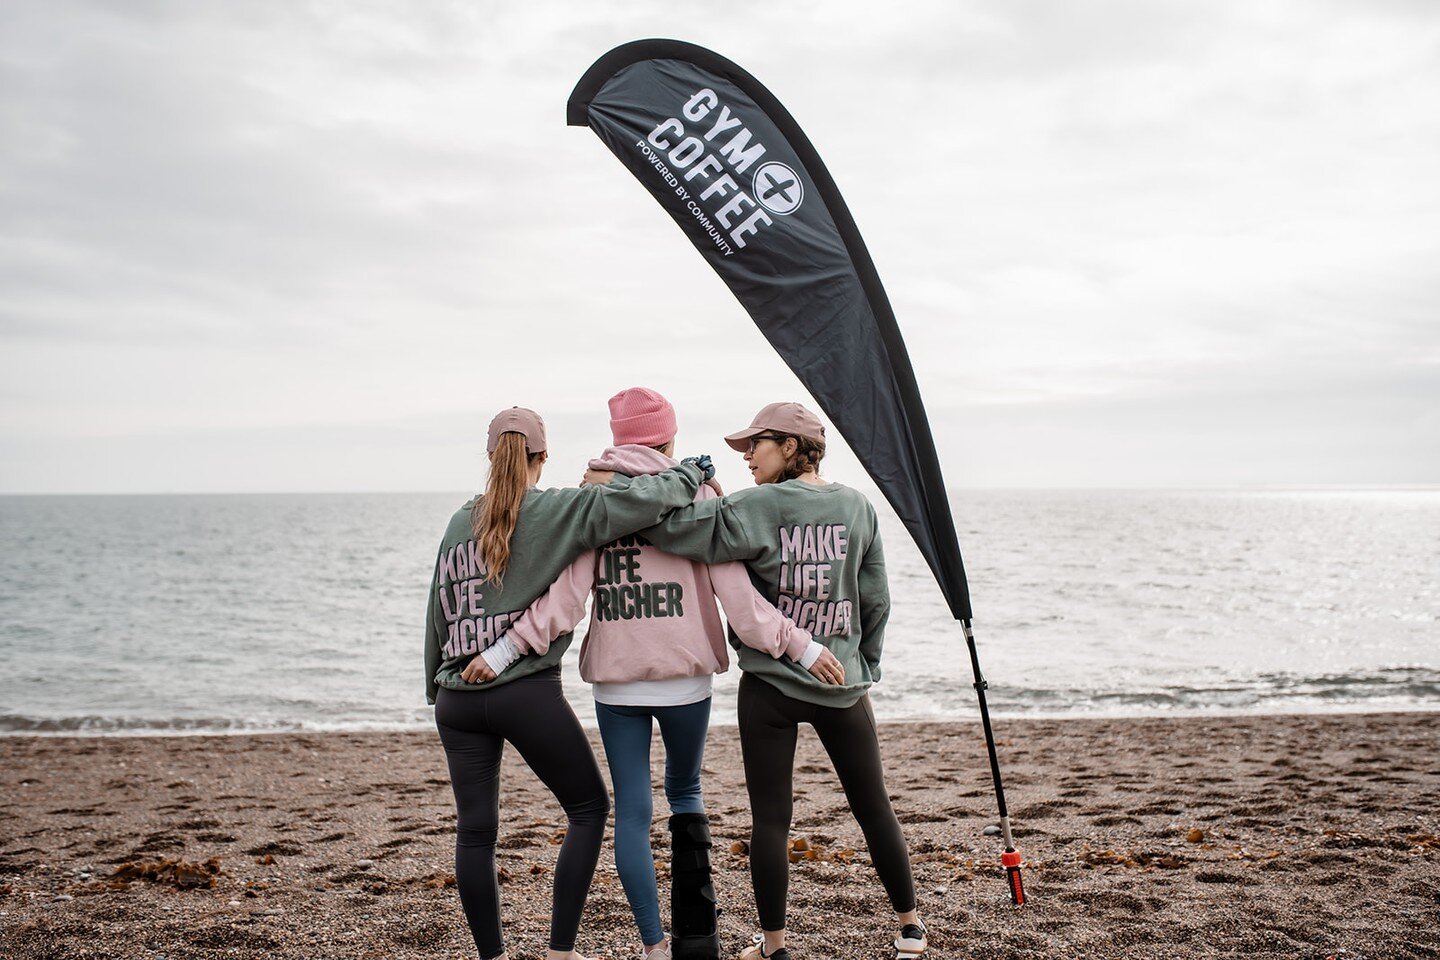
1010, 859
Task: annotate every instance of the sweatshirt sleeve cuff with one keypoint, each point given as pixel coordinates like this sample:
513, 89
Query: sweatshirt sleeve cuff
797, 643
812, 653
500, 655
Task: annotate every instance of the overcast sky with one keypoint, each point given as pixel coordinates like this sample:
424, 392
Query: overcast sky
314, 246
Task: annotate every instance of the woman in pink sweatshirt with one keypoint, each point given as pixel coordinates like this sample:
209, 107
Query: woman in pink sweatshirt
654, 644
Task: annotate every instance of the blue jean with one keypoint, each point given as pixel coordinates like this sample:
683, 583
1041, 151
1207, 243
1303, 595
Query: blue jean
626, 732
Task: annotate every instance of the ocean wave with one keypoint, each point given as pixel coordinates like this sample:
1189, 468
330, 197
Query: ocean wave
1387, 689
12, 724
1399, 687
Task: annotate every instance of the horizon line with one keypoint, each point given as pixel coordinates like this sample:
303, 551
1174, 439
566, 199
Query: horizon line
1415, 487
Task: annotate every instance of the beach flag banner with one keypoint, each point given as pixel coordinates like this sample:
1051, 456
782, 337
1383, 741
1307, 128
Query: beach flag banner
735, 171
731, 166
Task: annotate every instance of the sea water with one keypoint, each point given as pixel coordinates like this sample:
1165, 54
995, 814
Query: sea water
209, 613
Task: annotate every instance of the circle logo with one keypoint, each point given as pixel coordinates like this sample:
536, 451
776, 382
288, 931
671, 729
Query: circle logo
778, 188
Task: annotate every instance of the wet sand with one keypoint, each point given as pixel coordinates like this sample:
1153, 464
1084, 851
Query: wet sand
1295, 836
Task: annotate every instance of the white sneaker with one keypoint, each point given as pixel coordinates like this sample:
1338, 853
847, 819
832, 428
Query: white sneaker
756, 950
911, 943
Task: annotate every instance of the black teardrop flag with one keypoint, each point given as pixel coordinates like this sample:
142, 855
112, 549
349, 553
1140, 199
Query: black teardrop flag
735, 170
728, 162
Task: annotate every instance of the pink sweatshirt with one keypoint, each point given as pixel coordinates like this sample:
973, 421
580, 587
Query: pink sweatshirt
654, 615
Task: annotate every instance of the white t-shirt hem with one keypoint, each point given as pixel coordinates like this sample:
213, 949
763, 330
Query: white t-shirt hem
670, 692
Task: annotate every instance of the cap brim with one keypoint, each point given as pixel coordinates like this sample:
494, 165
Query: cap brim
741, 441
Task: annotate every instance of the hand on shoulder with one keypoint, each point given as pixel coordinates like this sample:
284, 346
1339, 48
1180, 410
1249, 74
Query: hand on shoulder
597, 478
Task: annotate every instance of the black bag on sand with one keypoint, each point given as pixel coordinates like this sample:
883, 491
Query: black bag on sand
693, 914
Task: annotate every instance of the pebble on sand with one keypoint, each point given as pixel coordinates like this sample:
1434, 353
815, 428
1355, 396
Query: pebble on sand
180, 873
1115, 874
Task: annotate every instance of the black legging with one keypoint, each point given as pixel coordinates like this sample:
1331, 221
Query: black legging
532, 714
769, 722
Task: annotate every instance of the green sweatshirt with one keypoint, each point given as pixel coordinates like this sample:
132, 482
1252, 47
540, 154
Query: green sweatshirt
814, 552
466, 613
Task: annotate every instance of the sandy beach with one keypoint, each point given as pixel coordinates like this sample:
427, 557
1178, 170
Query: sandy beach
1291, 836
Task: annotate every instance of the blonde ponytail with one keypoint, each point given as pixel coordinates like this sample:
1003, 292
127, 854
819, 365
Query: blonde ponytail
493, 516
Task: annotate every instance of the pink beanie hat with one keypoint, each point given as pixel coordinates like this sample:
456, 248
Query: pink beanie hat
641, 416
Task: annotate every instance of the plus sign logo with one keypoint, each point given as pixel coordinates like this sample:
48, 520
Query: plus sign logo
778, 188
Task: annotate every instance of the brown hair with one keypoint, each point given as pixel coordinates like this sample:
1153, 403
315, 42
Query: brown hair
807, 456
494, 515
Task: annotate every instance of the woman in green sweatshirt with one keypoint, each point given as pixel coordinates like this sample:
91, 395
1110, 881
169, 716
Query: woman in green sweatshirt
813, 549
501, 551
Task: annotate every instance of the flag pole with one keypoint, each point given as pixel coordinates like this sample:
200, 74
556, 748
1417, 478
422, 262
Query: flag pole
1011, 858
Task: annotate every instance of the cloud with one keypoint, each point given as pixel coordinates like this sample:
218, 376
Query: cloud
227, 222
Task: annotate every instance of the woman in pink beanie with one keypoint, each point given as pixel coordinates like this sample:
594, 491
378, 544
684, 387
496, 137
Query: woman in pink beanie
654, 644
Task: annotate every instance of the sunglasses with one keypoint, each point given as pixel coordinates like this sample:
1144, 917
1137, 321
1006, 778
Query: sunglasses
764, 436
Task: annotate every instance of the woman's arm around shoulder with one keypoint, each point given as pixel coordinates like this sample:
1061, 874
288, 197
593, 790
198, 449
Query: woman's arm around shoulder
715, 530
592, 515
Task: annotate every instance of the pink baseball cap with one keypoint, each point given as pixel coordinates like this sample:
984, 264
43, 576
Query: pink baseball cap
518, 420
642, 416
787, 418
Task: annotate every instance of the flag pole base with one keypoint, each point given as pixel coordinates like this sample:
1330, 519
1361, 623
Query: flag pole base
1012, 862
